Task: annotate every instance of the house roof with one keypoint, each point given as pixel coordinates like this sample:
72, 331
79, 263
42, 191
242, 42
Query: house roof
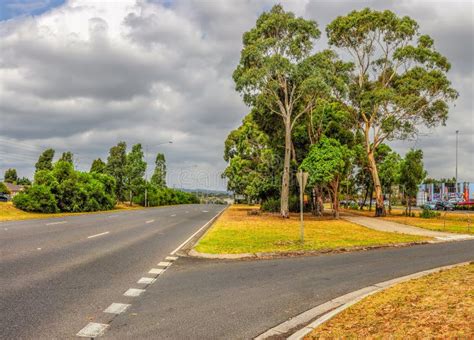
14, 187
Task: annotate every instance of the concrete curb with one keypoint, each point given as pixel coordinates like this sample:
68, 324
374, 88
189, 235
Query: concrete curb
324, 312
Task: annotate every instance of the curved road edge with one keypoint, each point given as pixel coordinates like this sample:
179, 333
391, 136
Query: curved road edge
316, 316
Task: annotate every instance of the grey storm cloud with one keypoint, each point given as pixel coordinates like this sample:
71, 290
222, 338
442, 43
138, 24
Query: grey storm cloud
87, 74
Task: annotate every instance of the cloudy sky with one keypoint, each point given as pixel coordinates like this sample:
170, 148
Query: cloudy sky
82, 75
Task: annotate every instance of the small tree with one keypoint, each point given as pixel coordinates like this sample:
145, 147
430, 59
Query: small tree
159, 174
10, 176
135, 170
45, 160
389, 171
116, 163
98, 166
412, 174
399, 80
327, 163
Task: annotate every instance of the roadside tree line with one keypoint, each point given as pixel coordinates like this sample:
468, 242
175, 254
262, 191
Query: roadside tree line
332, 116
57, 186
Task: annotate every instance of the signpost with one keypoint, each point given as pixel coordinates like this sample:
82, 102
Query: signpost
302, 178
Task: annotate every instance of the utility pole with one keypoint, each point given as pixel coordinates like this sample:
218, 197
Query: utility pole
456, 185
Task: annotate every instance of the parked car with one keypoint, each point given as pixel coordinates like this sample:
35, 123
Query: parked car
429, 206
3, 198
444, 205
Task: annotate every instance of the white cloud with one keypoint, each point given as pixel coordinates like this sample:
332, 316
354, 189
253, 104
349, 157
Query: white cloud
88, 74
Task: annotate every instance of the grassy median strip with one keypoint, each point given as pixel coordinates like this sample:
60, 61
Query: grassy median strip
439, 305
237, 232
9, 213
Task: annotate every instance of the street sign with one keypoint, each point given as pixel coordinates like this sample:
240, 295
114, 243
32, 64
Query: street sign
302, 178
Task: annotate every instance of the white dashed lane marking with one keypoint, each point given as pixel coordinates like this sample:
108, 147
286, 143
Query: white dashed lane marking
146, 280
150, 221
93, 330
173, 215
164, 264
134, 292
171, 258
92, 236
112, 216
116, 308
205, 211
156, 271
53, 223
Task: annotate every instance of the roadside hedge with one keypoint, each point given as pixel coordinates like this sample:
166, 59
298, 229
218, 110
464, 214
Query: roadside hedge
67, 190
165, 196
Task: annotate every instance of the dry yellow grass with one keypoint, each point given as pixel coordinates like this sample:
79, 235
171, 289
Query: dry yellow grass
236, 232
9, 213
448, 221
437, 306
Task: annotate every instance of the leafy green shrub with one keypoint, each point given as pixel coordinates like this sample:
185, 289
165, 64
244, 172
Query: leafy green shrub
37, 198
158, 196
427, 213
271, 205
65, 189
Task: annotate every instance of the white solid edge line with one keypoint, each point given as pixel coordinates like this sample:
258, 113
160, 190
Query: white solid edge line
343, 302
92, 236
197, 232
53, 223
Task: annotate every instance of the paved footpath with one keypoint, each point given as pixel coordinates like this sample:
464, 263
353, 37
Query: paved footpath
394, 227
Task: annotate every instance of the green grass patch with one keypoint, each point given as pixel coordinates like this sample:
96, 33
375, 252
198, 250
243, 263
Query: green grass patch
237, 232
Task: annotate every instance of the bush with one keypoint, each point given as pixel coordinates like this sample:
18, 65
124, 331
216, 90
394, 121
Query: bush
158, 196
37, 198
67, 190
271, 205
427, 213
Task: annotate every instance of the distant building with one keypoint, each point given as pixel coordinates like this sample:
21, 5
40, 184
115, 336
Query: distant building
14, 189
432, 192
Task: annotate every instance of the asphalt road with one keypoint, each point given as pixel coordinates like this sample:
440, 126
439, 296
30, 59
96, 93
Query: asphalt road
56, 275
210, 299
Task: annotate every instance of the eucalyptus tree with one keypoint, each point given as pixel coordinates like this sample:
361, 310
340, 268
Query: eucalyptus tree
159, 174
135, 171
67, 157
45, 160
399, 80
116, 163
277, 71
10, 176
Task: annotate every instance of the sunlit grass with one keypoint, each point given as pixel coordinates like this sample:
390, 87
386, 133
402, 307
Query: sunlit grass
236, 232
9, 213
439, 305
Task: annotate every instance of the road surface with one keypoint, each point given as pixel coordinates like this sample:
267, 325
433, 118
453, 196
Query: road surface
58, 274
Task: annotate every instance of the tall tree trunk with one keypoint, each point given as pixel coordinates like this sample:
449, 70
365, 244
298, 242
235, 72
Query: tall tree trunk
379, 206
390, 201
335, 189
367, 189
285, 183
